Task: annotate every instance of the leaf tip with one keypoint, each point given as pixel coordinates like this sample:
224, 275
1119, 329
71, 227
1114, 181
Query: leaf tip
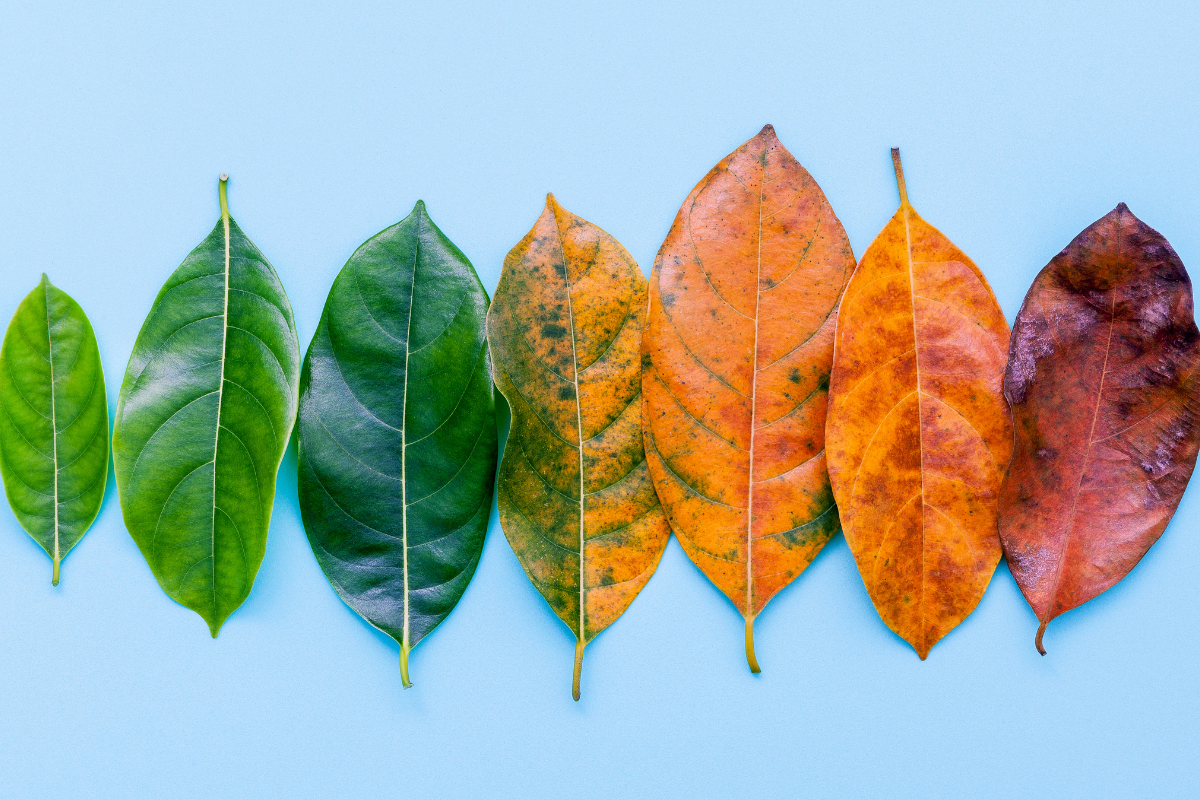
1122, 209
420, 208
768, 130
555, 208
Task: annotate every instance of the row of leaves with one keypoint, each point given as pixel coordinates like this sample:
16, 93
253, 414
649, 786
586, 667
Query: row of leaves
760, 392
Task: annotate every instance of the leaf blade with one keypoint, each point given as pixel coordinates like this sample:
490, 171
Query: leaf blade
1089, 492
738, 346
918, 432
54, 429
204, 415
407, 310
575, 499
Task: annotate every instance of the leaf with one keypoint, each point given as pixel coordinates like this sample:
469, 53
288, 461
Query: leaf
1102, 381
205, 412
397, 431
54, 426
575, 498
743, 300
919, 434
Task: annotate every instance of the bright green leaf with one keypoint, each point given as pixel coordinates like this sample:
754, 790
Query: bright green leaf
54, 425
205, 412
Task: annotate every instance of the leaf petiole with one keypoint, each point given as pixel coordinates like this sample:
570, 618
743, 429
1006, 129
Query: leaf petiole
404, 666
579, 644
750, 659
221, 194
899, 176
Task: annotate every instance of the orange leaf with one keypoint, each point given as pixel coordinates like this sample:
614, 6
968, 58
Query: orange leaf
736, 360
919, 433
575, 498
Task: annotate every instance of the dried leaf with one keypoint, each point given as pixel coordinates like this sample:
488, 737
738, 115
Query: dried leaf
737, 350
575, 498
919, 434
1102, 381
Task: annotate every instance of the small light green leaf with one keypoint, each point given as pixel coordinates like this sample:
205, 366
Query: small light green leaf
397, 431
54, 425
205, 412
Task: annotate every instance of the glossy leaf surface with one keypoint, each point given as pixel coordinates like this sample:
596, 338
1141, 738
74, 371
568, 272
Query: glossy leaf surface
738, 346
919, 434
1102, 381
397, 430
205, 412
575, 497
54, 425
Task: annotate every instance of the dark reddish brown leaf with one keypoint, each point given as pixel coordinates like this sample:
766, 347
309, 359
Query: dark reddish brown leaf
1102, 381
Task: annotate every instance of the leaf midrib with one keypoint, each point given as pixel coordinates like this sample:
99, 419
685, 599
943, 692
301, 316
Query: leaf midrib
579, 434
53, 425
1083, 469
412, 291
220, 398
912, 295
762, 187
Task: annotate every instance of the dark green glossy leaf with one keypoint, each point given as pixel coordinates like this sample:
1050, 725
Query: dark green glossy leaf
397, 432
205, 412
54, 425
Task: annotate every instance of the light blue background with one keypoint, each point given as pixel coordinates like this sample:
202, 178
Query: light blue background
1019, 124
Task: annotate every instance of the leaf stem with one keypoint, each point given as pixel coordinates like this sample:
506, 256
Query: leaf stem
1037, 640
404, 666
750, 659
899, 176
578, 668
54, 577
223, 197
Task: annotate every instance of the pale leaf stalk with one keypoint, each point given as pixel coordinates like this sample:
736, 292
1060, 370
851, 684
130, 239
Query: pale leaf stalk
899, 176
750, 658
579, 644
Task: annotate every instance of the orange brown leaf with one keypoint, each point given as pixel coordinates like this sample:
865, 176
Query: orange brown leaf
1105, 400
736, 357
919, 434
575, 497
